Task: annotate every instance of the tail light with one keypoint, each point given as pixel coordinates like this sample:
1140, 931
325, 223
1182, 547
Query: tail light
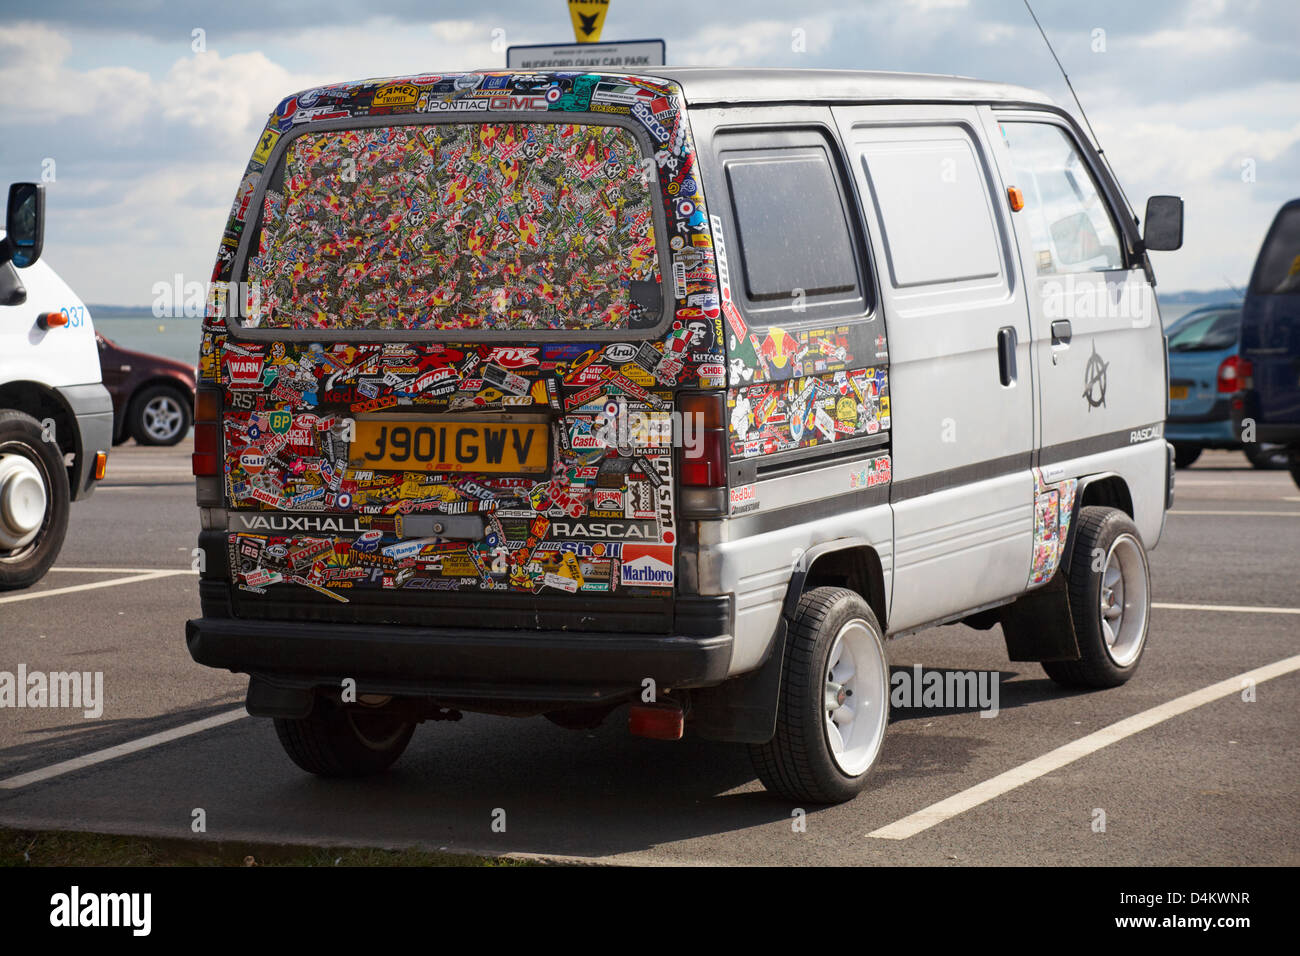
206, 461
702, 454
1230, 374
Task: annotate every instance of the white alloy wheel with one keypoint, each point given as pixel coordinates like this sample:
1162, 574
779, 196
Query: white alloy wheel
856, 700
1124, 600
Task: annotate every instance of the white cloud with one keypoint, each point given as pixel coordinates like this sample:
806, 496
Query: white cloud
1195, 40
755, 43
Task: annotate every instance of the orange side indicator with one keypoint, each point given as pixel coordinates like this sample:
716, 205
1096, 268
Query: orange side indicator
52, 320
1016, 198
101, 465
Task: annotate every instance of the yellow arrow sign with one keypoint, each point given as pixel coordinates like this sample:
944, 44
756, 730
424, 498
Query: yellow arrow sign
588, 18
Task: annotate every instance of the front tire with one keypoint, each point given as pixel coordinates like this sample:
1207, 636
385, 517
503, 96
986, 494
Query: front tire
1110, 601
159, 415
34, 501
338, 741
834, 702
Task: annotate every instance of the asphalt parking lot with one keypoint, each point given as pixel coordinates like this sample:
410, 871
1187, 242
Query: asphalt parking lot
1199, 777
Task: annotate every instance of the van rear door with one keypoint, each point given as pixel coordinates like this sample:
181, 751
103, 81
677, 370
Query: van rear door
1270, 332
449, 391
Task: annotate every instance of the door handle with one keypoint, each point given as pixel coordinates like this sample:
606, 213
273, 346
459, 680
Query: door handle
1062, 332
1007, 355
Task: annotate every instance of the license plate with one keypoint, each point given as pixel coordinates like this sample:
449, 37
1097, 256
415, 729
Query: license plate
1177, 392
442, 445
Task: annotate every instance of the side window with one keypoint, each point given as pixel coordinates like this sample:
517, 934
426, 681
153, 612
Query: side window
934, 209
1070, 228
1278, 272
795, 247
791, 226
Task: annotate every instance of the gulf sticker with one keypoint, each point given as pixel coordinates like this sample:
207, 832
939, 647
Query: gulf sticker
252, 462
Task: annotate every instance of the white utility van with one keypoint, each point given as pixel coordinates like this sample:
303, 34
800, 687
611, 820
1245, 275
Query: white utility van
56, 418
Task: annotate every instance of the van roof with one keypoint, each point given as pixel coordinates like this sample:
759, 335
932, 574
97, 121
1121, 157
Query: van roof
704, 84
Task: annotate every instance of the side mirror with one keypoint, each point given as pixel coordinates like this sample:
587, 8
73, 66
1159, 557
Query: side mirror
1162, 228
24, 224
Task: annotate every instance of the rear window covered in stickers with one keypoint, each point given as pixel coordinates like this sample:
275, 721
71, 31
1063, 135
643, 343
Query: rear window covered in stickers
489, 226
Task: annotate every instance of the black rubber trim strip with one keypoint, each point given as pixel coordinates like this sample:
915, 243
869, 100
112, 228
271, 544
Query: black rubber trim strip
1099, 443
952, 477
761, 522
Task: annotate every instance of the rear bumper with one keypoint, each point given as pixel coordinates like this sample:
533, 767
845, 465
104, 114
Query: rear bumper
1206, 432
1288, 434
466, 664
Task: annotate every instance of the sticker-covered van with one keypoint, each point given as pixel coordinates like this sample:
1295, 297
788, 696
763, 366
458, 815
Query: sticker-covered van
559, 393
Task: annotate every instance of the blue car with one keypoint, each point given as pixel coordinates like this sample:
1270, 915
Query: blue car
1204, 377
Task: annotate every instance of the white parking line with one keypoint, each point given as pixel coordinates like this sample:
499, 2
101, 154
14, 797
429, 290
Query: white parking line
1229, 608
121, 750
1067, 754
116, 570
1260, 514
148, 576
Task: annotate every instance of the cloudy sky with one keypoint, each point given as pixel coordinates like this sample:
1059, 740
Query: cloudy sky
147, 138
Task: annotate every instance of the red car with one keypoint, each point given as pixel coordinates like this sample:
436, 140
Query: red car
153, 397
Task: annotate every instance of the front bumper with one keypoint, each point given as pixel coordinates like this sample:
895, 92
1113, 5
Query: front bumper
92, 406
467, 664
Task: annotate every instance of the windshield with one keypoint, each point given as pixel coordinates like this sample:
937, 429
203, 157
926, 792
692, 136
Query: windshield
477, 226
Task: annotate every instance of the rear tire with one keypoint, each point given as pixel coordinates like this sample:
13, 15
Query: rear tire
1264, 456
338, 741
33, 523
1184, 455
1110, 601
159, 415
834, 702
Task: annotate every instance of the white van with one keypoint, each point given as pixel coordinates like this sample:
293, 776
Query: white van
56, 418
546, 393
